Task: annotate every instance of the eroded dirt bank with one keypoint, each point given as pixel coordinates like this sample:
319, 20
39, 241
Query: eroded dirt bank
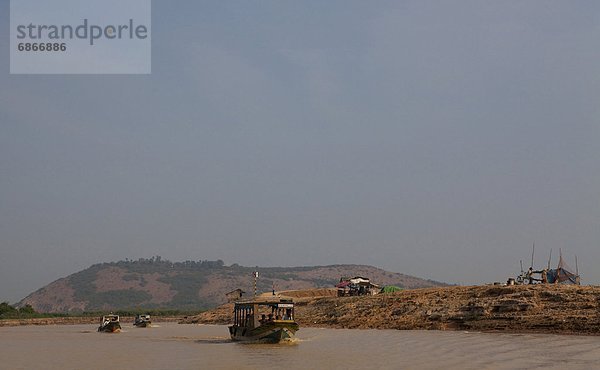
529, 308
125, 320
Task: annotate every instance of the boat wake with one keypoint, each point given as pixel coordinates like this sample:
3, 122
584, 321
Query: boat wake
262, 342
217, 340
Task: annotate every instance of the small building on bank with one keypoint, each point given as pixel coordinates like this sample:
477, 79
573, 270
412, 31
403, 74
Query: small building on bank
234, 295
357, 285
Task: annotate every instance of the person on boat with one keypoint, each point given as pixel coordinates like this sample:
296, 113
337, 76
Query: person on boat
263, 319
545, 276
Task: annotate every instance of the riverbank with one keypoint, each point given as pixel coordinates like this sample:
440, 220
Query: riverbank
563, 309
79, 320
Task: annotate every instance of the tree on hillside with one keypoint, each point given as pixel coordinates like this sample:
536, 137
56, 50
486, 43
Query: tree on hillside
6, 309
27, 310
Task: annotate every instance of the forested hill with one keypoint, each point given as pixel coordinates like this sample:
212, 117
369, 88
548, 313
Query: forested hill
157, 283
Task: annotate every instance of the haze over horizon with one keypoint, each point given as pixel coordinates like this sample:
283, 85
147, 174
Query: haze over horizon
435, 139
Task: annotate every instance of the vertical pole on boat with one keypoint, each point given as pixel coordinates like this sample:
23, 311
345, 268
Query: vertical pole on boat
521, 261
560, 263
532, 253
577, 278
255, 278
550, 258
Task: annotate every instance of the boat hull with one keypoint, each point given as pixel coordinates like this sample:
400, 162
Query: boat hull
144, 324
267, 333
113, 327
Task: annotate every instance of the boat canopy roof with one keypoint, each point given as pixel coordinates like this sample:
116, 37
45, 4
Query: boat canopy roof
274, 302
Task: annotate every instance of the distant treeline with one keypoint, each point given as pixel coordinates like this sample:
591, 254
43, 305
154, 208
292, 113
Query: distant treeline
159, 261
27, 312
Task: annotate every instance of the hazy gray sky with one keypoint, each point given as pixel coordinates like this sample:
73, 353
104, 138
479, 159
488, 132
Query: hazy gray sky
433, 138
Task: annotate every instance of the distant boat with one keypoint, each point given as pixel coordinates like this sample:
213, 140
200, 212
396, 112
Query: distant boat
110, 324
142, 321
269, 320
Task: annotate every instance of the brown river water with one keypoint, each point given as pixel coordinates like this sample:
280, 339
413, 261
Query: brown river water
173, 346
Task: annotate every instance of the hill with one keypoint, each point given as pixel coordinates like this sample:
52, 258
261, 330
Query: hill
156, 283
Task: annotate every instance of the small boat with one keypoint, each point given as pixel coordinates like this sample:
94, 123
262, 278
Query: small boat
142, 321
110, 324
268, 320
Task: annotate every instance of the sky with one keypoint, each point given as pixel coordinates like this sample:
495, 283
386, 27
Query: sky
433, 138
